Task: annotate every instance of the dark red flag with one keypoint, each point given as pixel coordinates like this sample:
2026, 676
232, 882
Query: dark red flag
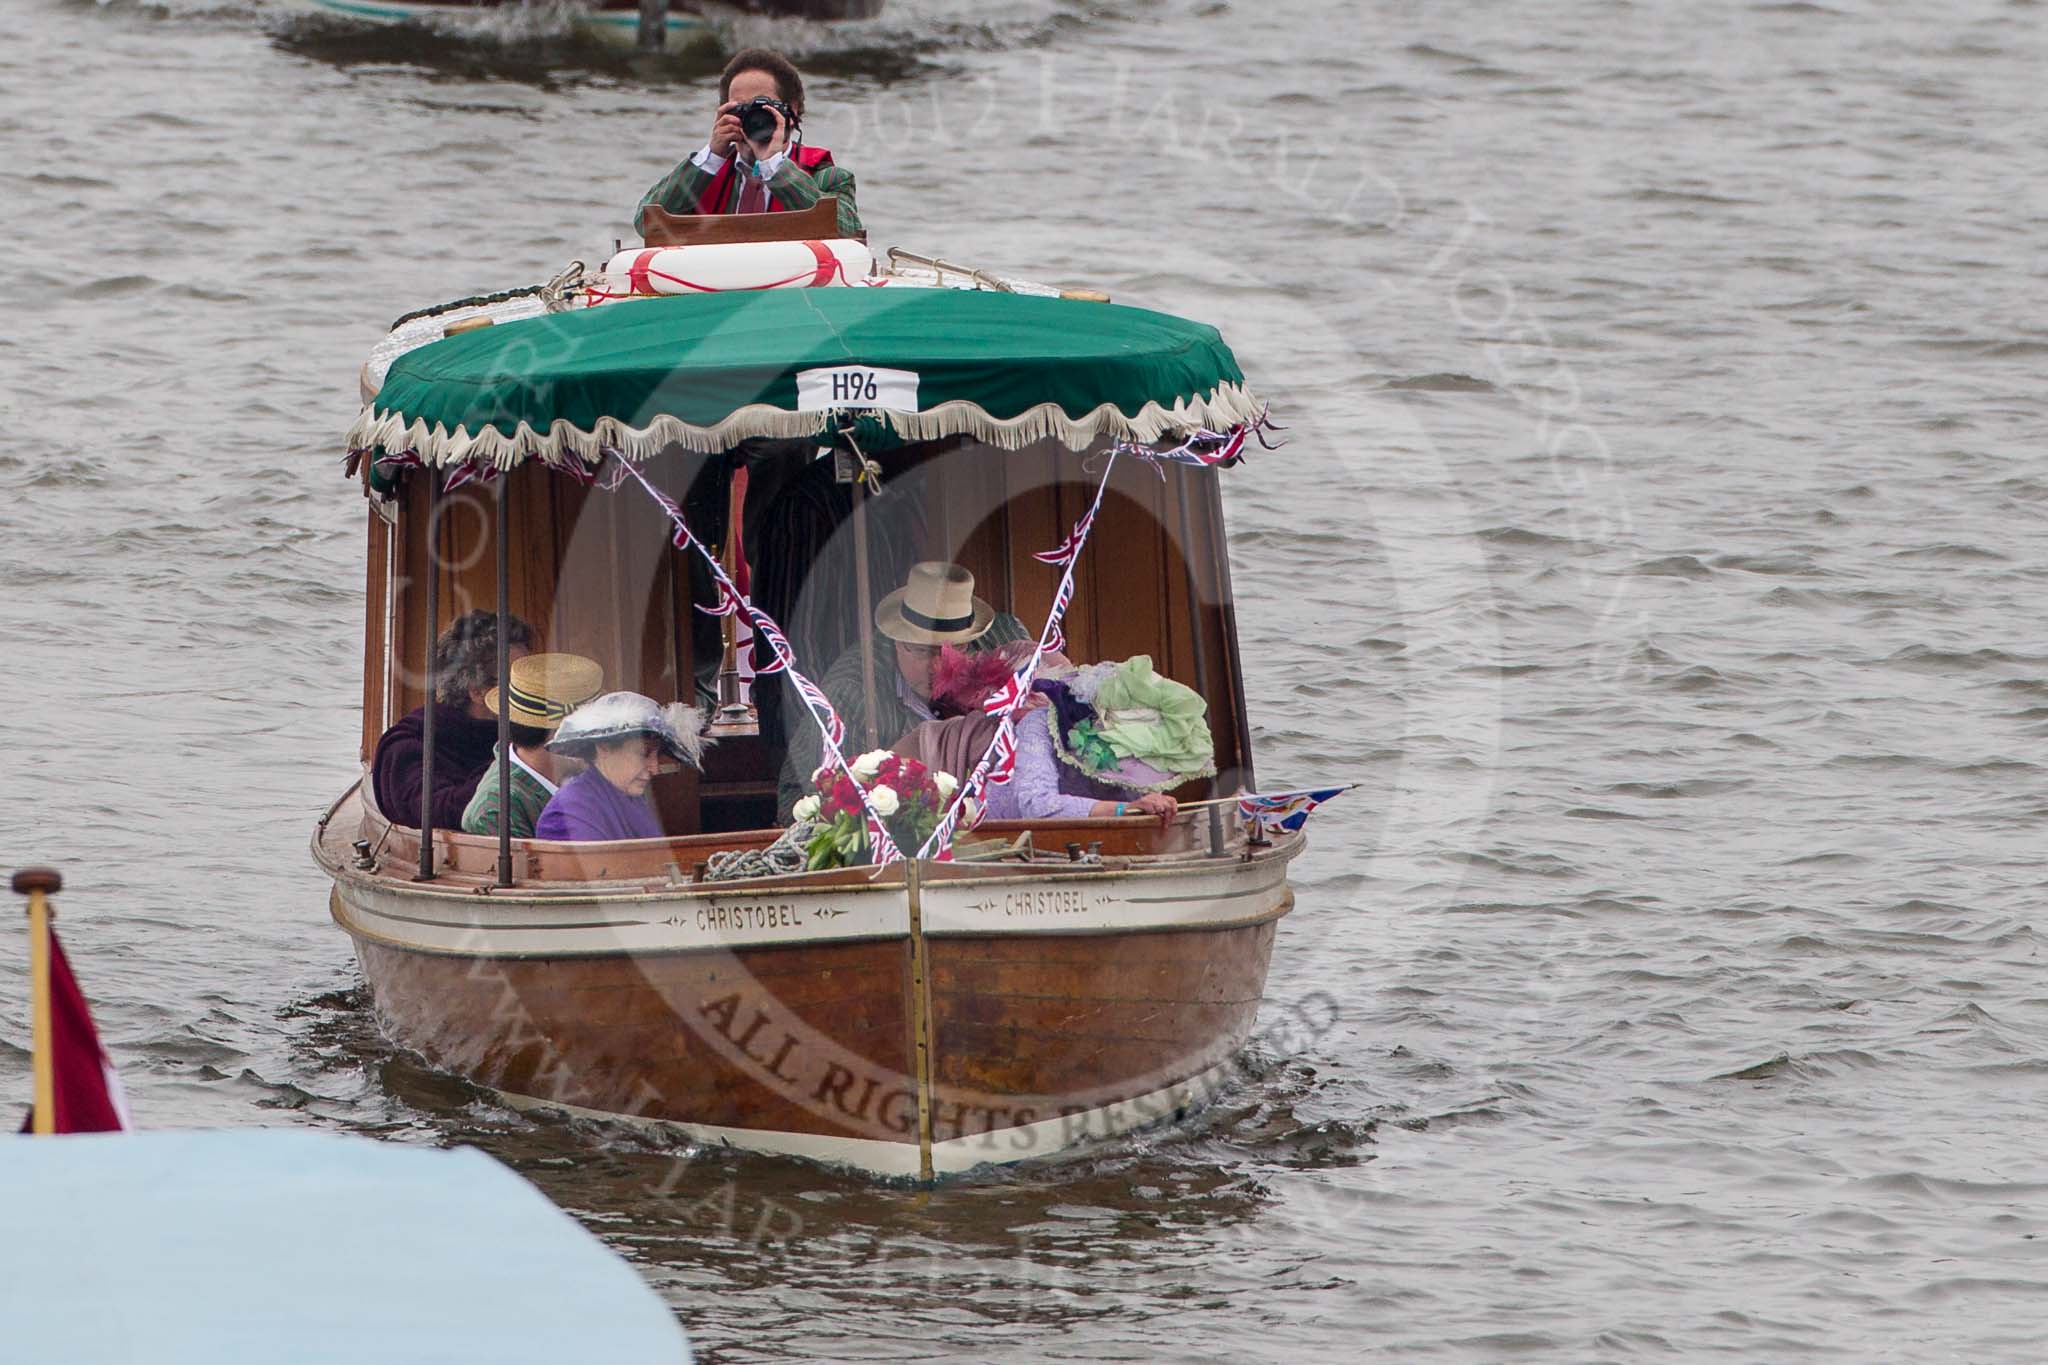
88, 1093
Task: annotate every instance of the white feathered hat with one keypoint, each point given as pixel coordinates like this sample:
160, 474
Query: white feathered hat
615, 715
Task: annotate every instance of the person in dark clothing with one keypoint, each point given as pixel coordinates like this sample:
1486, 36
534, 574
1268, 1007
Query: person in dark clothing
465, 730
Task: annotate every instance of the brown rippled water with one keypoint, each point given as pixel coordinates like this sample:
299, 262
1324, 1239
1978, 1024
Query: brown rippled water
1659, 545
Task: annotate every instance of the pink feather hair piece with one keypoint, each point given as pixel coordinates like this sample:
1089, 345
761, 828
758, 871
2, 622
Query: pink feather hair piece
962, 681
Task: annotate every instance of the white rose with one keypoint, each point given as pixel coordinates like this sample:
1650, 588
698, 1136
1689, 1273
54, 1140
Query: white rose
806, 810
970, 813
946, 783
883, 799
868, 764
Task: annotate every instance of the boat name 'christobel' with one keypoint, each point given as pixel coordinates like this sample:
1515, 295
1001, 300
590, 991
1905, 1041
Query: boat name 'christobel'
780, 916
1045, 903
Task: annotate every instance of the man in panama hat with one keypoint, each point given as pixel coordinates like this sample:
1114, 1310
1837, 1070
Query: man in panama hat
936, 606
544, 689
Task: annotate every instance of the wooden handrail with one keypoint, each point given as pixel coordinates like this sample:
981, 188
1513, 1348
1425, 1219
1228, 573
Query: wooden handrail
818, 223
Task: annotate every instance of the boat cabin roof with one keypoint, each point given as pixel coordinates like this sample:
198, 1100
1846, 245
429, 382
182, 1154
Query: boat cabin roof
705, 372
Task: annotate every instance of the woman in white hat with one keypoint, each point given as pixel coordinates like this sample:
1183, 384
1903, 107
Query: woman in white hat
544, 689
622, 735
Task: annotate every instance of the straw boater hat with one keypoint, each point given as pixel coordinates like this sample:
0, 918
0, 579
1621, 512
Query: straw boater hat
547, 687
935, 606
615, 715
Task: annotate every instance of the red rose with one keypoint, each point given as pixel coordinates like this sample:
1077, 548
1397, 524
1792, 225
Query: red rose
844, 797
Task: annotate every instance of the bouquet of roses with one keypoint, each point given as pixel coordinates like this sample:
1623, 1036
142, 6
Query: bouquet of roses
907, 795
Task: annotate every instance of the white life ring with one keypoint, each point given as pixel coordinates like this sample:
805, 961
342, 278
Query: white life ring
719, 267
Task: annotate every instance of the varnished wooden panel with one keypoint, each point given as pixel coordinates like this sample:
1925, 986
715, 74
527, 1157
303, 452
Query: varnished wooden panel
638, 1036
1023, 1029
819, 222
1089, 1018
594, 574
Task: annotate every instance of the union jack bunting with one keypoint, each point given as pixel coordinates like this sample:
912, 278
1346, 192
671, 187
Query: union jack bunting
404, 459
942, 833
728, 602
475, 471
1002, 761
1070, 548
1004, 699
1285, 810
884, 848
1204, 449
778, 644
573, 468
821, 707
1210, 448
1061, 600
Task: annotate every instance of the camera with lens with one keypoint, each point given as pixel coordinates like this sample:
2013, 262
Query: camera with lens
759, 124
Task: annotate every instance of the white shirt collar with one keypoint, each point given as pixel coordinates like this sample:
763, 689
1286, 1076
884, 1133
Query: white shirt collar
533, 772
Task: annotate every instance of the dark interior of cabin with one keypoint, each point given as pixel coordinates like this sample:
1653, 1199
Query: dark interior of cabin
596, 574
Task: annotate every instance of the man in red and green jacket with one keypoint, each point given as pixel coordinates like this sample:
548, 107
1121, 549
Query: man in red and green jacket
729, 174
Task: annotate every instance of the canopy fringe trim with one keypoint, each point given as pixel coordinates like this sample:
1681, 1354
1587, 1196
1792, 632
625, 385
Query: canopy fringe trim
1229, 405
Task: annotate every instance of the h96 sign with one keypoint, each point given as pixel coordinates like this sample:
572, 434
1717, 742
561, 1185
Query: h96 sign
856, 386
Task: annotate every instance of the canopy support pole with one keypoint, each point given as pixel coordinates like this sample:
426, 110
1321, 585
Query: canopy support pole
867, 596
1233, 658
433, 631
1196, 609
504, 685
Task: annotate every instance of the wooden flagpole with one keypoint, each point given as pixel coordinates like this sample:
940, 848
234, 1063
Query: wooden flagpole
38, 883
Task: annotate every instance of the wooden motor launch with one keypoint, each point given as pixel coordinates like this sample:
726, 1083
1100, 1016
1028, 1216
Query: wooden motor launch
1041, 984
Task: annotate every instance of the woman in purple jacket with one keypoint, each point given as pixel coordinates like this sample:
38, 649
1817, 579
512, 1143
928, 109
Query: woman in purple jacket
622, 735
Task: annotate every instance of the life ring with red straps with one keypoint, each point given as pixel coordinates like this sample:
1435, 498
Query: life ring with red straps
723, 267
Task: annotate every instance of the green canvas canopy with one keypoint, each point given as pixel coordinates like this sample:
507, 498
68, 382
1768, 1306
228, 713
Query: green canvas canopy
708, 371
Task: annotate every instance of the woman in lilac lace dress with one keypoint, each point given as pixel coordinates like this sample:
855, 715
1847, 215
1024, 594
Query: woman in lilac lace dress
1110, 739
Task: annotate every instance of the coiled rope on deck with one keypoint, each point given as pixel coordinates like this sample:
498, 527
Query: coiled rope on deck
786, 855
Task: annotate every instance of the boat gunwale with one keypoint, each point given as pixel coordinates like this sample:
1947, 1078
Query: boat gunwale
1281, 909
475, 890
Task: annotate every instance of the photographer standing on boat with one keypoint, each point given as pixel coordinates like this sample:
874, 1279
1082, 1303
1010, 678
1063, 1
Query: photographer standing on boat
755, 160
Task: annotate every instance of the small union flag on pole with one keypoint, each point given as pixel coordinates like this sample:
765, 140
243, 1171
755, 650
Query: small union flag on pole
1286, 810
76, 1090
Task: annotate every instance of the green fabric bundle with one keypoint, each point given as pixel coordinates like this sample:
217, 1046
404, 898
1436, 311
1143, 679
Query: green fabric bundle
1157, 721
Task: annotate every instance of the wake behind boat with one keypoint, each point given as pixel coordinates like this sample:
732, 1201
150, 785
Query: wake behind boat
584, 456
